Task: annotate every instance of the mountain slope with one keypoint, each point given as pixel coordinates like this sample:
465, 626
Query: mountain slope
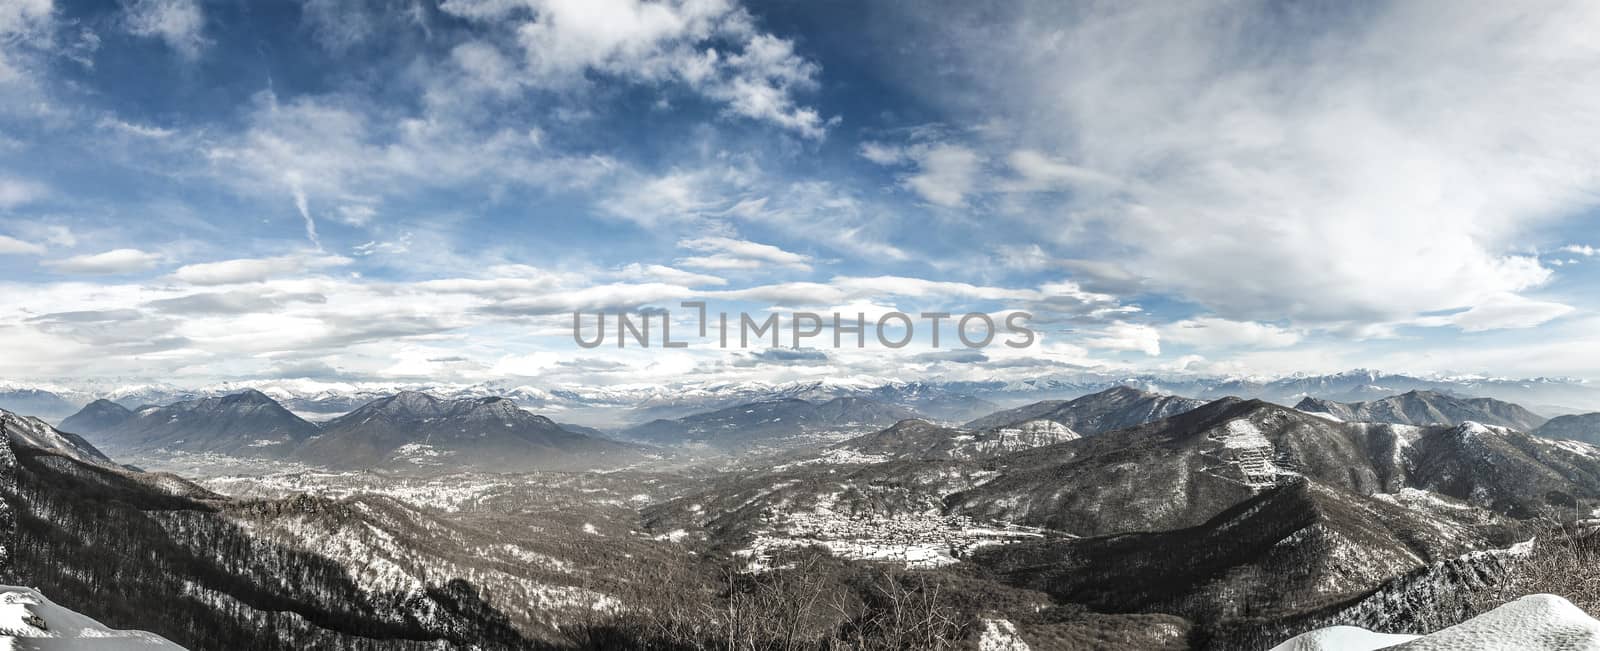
1533, 622
1428, 408
773, 422
31, 621
97, 417
1115, 408
412, 430
245, 424
1182, 471
181, 565
920, 439
1576, 427
27, 430
38, 402
1294, 548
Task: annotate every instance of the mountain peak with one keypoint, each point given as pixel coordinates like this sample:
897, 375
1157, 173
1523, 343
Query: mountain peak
249, 396
411, 402
1124, 391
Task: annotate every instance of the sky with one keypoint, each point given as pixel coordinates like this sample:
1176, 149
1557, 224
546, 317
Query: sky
406, 190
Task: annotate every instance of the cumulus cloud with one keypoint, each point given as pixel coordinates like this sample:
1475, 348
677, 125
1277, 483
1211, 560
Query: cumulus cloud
249, 270
179, 23
21, 22
15, 192
946, 174
116, 261
712, 47
1036, 172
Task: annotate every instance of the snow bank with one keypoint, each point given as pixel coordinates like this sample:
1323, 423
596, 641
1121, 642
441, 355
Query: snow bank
30, 621
1000, 635
1538, 622
1342, 638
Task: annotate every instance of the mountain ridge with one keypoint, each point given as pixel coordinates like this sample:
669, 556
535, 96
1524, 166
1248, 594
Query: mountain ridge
1427, 408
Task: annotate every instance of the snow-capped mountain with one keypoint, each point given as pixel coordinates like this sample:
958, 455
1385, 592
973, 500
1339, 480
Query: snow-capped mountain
31, 431
248, 423
945, 400
413, 429
771, 423
1576, 427
1115, 408
1427, 408
922, 440
1532, 622
29, 620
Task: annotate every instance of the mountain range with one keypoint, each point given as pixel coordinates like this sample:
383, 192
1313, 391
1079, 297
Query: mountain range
1252, 520
33, 432
945, 400
247, 423
406, 431
1577, 427
1020, 428
1240, 522
788, 421
1114, 408
1427, 408
415, 429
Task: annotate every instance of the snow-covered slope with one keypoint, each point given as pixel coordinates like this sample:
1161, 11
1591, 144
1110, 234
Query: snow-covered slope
1115, 408
37, 433
1538, 622
30, 621
1427, 408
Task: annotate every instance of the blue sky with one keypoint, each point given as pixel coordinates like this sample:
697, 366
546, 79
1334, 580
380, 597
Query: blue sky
196, 191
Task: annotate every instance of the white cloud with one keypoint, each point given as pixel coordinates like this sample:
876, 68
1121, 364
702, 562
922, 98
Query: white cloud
1273, 164
314, 152
21, 21
1209, 332
882, 153
669, 275
1123, 336
13, 246
139, 130
1037, 172
1502, 311
18, 16
728, 253
179, 23
945, 175
16, 192
711, 46
249, 270
676, 196
1580, 249
117, 261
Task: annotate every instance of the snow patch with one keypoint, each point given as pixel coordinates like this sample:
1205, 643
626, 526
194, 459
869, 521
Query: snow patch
1000, 635
26, 616
1541, 621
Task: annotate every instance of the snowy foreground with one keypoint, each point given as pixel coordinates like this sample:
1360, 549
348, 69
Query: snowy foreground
1534, 623
29, 621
